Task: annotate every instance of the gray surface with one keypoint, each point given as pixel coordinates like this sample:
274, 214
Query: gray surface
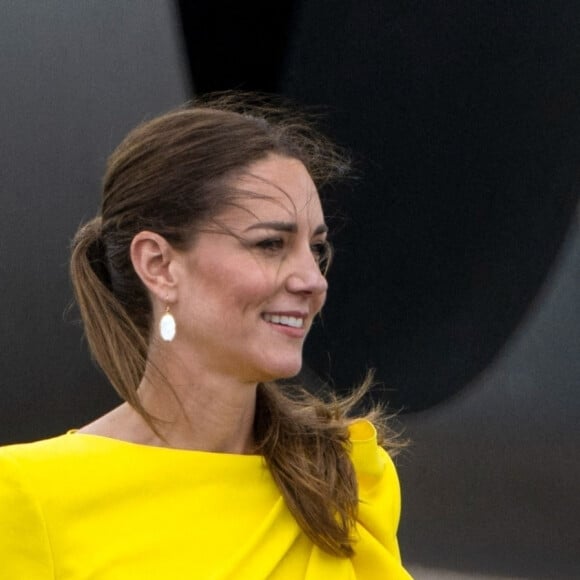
75, 77
491, 482
421, 573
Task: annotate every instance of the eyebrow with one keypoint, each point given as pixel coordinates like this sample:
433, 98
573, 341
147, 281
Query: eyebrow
290, 227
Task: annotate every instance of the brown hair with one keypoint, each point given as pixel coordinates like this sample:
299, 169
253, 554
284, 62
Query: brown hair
165, 177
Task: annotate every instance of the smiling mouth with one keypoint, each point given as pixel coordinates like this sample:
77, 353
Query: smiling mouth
291, 321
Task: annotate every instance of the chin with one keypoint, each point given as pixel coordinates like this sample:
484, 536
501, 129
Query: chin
281, 371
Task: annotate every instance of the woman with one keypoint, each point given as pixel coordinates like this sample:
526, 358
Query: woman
197, 283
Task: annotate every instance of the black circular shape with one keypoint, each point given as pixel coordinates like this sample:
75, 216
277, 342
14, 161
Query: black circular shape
468, 124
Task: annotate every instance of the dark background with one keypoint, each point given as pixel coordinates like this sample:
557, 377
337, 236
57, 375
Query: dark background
458, 256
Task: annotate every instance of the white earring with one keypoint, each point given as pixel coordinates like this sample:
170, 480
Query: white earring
167, 326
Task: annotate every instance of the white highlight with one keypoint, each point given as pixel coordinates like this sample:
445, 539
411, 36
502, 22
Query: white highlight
167, 327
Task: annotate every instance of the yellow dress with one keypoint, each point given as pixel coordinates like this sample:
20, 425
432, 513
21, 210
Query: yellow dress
89, 507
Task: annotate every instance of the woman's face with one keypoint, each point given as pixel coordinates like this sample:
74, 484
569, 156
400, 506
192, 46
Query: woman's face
251, 283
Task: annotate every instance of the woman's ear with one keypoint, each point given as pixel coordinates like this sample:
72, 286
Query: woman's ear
151, 255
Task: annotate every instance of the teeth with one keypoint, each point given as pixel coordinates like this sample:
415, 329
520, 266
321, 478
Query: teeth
284, 320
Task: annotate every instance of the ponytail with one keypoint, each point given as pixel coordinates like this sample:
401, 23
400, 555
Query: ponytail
305, 440
115, 342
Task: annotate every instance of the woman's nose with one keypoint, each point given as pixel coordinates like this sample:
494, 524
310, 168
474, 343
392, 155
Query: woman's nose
305, 275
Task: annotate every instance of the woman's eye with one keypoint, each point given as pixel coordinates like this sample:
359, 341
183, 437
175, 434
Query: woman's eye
321, 251
271, 244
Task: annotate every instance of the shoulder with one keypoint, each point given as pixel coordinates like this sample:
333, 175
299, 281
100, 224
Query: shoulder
42, 453
19, 455
48, 466
26, 468
16, 464
22, 516
371, 462
378, 484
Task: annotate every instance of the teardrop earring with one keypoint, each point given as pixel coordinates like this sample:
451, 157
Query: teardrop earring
167, 326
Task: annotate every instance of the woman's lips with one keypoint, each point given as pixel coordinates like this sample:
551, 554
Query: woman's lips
289, 323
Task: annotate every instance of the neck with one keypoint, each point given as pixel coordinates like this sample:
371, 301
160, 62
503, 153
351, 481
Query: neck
210, 413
